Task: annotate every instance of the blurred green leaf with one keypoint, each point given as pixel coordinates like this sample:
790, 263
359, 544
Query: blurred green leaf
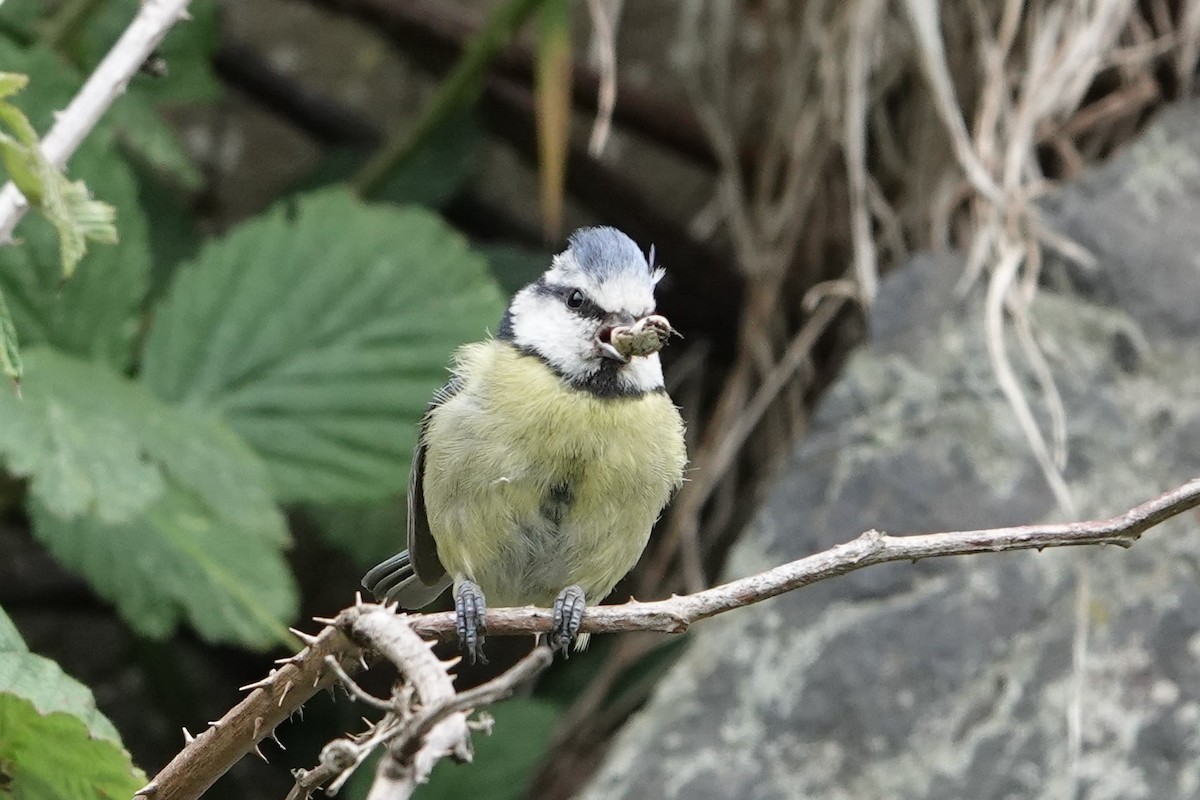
514, 267
10, 637
431, 176
10, 355
367, 533
52, 757
187, 50
54, 742
95, 314
149, 140
321, 336
79, 435
179, 559
174, 237
164, 510
18, 18
43, 683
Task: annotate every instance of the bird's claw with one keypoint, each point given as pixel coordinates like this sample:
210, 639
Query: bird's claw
568, 616
471, 620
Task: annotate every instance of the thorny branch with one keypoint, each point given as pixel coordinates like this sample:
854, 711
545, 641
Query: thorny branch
416, 736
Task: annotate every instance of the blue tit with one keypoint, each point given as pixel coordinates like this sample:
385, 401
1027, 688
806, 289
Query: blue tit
543, 464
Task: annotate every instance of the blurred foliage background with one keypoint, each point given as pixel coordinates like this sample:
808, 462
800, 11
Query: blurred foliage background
318, 200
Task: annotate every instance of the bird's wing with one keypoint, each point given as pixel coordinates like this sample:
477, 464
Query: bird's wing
422, 549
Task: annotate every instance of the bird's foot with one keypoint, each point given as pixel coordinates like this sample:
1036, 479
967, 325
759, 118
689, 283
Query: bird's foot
568, 616
471, 617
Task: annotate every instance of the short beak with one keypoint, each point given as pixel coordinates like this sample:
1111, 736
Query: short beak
604, 343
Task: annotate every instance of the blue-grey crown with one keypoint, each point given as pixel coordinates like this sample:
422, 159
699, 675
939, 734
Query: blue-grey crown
605, 252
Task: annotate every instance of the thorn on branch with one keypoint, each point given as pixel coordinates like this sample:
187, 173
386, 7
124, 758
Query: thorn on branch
308, 638
259, 684
355, 691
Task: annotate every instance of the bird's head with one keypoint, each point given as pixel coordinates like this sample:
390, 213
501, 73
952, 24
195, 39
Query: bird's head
590, 317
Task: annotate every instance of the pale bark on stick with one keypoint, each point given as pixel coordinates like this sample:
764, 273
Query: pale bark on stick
676, 614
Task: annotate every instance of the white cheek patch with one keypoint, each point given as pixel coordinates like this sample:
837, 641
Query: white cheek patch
545, 326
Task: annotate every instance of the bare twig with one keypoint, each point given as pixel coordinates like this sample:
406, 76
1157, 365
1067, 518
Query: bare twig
866, 24
604, 15
406, 727
419, 738
493, 691
103, 87
873, 547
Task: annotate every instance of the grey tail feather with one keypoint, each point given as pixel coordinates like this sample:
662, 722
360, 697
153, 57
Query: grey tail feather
395, 581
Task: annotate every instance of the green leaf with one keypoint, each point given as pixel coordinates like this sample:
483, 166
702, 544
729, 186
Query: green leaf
96, 313
187, 50
10, 637
174, 237
514, 267
321, 336
54, 742
148, 138
164, 510
179, 559
78, 435
18, 18
11, 83
43, 683
52, 757
367, 533
10, 356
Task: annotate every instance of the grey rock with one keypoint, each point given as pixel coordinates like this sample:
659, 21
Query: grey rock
955, 678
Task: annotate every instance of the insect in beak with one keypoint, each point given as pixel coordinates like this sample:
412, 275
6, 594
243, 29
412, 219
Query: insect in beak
605, 346
641, 338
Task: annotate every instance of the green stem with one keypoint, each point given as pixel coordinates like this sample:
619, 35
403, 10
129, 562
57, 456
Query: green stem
461, 88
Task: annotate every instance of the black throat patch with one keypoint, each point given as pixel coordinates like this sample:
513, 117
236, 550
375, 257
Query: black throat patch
605, 383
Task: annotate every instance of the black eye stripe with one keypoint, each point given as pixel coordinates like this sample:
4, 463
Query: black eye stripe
590, 309
587, 309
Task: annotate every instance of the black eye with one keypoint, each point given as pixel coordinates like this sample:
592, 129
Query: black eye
575, 299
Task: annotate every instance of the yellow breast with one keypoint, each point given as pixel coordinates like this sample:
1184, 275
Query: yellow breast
532, 485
